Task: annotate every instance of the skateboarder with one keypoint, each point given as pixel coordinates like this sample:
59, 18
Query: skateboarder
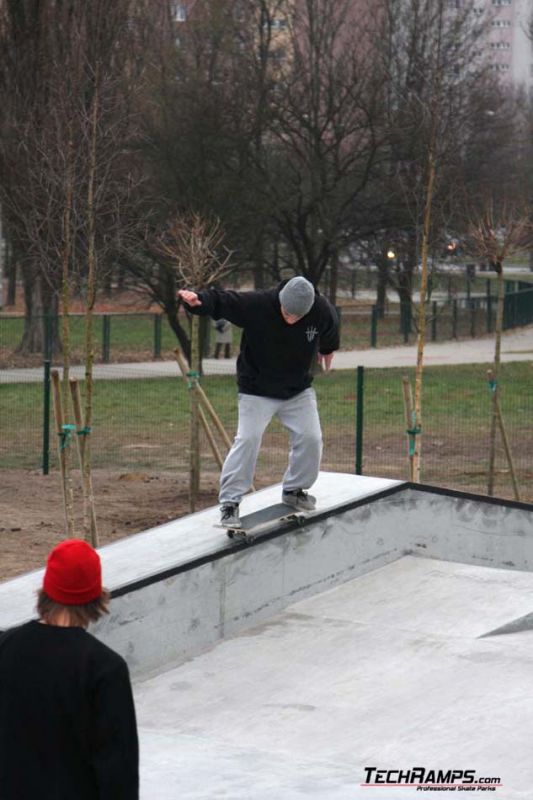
67, 720
284, 329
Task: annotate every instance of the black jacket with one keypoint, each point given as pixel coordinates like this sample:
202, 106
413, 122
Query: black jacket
67, 720
275, 359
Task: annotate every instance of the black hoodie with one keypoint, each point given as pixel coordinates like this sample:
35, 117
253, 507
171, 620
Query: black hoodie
275, 358
67, 719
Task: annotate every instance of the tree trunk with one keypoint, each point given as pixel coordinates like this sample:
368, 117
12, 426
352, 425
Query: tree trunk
108, 282
41, 317
495, 371
194, 434
383, 280
421, 340
333, 277
11, 273
121, 282
89, 514
171, 314
428, 208
258, 268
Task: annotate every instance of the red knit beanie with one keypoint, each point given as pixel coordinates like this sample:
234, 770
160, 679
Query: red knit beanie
73, 573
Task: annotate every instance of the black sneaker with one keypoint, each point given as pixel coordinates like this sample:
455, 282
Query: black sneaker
229, 515
299, 499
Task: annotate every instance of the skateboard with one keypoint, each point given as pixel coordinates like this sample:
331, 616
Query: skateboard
264, 519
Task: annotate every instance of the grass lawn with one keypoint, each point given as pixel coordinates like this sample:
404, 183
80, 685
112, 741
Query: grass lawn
131, 336
128, 332
144, 424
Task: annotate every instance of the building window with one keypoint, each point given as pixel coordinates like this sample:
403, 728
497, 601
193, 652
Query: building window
180, 12
501, 23
500, 45
502, 2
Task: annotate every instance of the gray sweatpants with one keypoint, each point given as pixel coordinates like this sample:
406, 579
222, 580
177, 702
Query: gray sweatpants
300, 416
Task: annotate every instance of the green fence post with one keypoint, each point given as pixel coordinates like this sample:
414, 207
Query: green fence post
374, 327
359, 405
489, 307
157, 335
512, 309
473, 319
106, 337
48, 332
46, 417
454, 319
405, 320
434, 321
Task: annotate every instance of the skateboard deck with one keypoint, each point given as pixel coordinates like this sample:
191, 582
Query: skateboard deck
262, 520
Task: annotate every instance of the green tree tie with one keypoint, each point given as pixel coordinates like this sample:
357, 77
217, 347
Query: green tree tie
65, 434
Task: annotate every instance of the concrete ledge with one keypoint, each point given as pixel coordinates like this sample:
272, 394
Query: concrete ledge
183, 586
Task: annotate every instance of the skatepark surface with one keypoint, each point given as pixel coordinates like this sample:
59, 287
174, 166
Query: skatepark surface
393, 631
386, 671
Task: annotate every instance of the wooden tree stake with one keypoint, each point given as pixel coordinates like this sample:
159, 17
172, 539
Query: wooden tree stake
205, 403
64, 433
496, 404
408, 406
89, 514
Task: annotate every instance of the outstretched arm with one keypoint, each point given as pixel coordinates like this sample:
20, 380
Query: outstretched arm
191, 298
220, 304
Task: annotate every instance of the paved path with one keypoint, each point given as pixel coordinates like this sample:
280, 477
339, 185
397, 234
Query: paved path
517, 345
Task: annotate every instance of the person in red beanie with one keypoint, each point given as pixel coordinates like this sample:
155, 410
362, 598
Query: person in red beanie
67, 718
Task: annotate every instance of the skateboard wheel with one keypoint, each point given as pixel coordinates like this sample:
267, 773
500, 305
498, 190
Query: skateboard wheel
230, 534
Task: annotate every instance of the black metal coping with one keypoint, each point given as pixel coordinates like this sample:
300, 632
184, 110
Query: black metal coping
293, 525
480, 498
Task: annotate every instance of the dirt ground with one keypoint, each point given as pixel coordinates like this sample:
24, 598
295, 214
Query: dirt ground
32, 518
31, 507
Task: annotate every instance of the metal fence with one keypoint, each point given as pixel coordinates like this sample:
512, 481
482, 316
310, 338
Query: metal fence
144, 337
142, 424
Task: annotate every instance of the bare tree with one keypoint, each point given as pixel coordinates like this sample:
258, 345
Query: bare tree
271, 126
433, 91
323, 142
193, 246
50, 53
67, 159
501, 229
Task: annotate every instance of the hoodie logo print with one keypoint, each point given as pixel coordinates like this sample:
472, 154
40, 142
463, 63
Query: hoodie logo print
311, 332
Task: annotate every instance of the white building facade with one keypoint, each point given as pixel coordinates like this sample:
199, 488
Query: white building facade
507, 43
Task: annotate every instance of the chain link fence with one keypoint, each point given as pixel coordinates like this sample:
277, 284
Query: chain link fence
142, 424
139, 337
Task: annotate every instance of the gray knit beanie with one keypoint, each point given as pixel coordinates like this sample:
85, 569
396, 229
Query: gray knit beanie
297, 296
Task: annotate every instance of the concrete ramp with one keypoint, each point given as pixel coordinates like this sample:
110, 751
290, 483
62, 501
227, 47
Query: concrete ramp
524, 623
181, 587
385, 671
365, 639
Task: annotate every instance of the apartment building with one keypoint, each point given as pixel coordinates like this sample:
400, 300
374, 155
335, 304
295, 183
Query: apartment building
506, 43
